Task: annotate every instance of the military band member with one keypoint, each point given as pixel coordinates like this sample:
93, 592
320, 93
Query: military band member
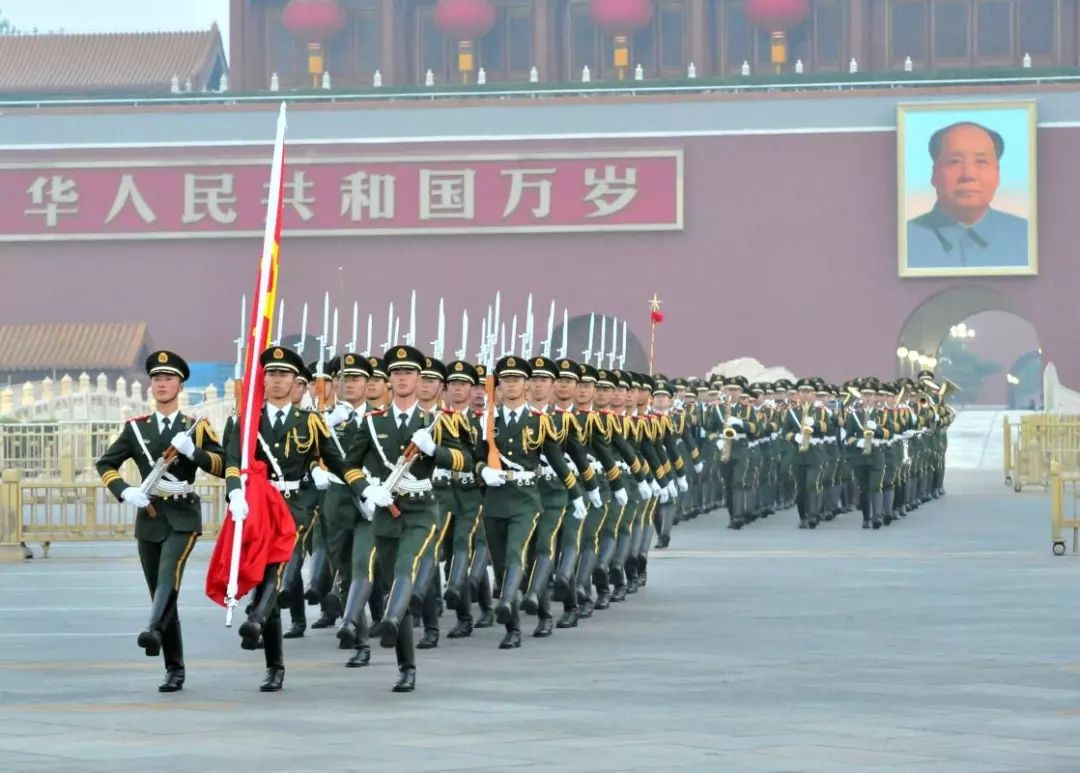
867, 433
479, 576
168, 519
805, 427
402, 437
292, 442
512, 503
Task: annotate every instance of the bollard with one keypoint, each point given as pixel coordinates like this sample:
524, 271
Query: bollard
11, 516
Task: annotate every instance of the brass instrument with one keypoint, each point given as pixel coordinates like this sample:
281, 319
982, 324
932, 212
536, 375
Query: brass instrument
947, 388
868, 442
804, 438
729, 438
729, 442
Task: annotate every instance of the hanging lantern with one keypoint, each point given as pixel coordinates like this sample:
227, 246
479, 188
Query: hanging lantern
464, 21
620, 18
314, 22
777, 17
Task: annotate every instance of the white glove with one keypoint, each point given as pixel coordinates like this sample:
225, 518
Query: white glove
733, 421
861, 443
339, 415
699, 467
184, 445
580, 511
594, 498
871, 424
620, 497
655, 488
238, 506
493, 477
378, 496
367, 512
423, 440
672, 490
644, 490
683, 485
664, 497
321, 478
720, 445
134, 496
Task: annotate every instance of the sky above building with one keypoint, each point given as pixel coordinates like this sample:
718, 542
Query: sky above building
116, 15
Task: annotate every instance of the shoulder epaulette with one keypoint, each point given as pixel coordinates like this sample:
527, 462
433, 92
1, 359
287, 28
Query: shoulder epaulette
140, 418
376, 412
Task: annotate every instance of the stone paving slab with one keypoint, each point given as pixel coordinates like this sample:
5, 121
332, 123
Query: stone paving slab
946, 642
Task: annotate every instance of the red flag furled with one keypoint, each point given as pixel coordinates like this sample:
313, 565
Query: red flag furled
267, 535
657, 317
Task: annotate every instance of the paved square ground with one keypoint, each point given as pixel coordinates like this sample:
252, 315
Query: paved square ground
948, 642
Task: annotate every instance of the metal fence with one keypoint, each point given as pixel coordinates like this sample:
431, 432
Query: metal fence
1035, 442
1064, 509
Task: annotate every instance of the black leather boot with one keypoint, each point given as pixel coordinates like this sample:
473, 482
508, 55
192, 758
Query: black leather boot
292, 586
487, 615
264, 602
172, 644
360, 658
354, 621
457, 580
275, 654
297, 616
887, 506
875, 509
478, 569
506, 609
321, 577
161, 612
538, 583
564, 577
425, 573
406, 680
397, 610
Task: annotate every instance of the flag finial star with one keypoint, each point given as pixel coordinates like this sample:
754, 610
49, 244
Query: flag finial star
654, 303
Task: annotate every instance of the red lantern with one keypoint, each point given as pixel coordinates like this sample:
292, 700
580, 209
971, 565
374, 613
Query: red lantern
776, 17
621, 17
313, 21
464, 21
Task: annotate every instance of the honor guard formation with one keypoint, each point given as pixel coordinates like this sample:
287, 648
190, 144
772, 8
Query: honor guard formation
403, 479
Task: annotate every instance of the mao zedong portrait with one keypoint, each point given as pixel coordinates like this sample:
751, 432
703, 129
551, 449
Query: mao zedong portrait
963, 230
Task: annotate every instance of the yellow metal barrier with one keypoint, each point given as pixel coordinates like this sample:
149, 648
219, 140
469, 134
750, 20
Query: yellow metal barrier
1035, 443
1064, 499
50, 511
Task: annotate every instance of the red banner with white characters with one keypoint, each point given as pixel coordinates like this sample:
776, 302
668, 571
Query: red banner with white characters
345, 195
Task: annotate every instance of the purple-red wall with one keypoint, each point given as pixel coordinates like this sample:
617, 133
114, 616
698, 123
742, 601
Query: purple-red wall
788, 255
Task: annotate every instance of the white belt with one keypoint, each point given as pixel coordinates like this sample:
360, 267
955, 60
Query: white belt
521, 476
168, 490
817, 441
753, 443
596, 467
466, 477
285, 485
881, 442
545, 472
440, 476
414, 486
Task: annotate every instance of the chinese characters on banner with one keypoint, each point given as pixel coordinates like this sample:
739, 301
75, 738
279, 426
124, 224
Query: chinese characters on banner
520, 193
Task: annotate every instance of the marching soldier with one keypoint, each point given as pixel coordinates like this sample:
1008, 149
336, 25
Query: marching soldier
461, 379
512, 503
292, 442
168, 518
351, 543
390, 466
806, 427
866, 433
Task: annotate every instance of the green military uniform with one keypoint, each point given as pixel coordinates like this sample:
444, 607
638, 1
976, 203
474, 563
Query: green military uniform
168, 519
406, 518
512, 507
806, 427
292, 442
867, 432
465, 519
